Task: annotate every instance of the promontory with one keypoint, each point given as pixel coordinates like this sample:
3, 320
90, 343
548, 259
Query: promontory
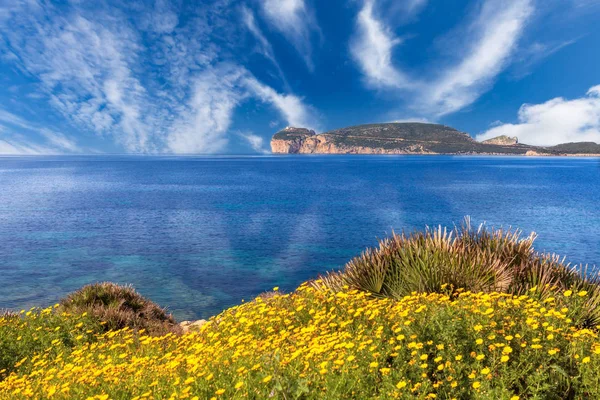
411, 138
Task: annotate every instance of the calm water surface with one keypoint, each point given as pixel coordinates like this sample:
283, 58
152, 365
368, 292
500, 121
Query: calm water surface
198, 234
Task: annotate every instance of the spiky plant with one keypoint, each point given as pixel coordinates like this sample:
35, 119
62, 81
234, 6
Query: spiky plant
120, 306
478, 260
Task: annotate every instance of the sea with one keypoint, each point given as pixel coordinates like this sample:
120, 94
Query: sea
200, 234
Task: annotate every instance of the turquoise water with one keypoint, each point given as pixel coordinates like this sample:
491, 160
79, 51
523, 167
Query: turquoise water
199, 234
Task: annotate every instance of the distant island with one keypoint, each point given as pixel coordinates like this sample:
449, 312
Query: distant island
413, 138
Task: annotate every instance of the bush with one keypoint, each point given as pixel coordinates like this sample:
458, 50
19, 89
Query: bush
347, 345
118, 307
481, 260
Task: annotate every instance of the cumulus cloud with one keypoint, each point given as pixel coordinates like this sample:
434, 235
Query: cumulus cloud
556, 121
295, 21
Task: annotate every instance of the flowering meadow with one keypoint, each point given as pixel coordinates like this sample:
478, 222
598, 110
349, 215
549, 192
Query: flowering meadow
318, 344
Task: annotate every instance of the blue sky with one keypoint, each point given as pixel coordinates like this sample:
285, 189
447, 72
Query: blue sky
222, 76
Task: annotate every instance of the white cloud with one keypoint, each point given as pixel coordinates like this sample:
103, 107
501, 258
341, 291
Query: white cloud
535, 53
203, 124
291, 107
489, 39
12, 148
55, 142
556, 121
60, 141
161, 18
415, 119
400, 12
138, 73
494, 34
85, 67
256, 142
265, 47
372, 49
295, 21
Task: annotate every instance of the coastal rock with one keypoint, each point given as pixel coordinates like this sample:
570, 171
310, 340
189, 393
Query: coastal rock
502, 140
412, 138
388, 138
290, 139
187, 326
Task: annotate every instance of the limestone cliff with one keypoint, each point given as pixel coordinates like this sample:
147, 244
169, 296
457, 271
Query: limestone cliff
412, 138
388, 138
290, 140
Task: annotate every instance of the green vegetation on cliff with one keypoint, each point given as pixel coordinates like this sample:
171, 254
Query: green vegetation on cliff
410, 138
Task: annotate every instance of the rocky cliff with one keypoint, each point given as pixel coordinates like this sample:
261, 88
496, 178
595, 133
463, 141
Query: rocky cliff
291, 140
388, 138
410, 138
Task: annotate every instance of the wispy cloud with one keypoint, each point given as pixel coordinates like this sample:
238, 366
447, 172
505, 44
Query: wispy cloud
201, 126
153, 82
84, 68
489, 38
556, 121
372, 49
257, 143
494, 34
530, 56
60, 141
296, 22
19, 148
13, 141
291, 107
401, 12
264, 45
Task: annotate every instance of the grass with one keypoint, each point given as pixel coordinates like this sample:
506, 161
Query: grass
462, 314
314, 344
486, 260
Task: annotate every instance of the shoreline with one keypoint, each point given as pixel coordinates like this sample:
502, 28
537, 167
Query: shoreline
585, 155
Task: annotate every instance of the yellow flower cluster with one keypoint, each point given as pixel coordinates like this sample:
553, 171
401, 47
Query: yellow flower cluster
325, 345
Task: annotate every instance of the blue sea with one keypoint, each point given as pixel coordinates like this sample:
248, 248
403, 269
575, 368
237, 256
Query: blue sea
199, 234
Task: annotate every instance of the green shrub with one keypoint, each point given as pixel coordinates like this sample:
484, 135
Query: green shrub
118, 306
41, 332
478, 260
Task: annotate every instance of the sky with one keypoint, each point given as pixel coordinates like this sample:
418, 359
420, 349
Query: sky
222, 76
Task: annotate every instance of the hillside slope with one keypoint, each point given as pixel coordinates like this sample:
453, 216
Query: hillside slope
406, 138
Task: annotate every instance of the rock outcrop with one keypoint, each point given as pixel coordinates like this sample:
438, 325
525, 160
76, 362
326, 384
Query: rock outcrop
290, 140
187, 326
388, 138
411, 138
502, 140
